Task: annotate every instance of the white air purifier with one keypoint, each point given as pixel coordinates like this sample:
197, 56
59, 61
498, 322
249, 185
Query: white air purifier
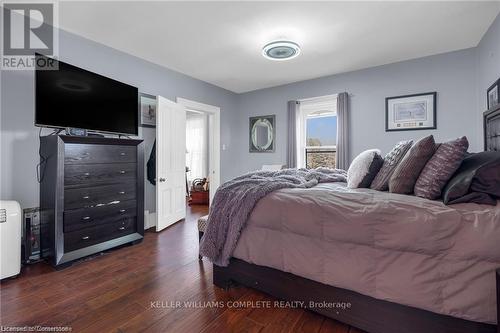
10, 238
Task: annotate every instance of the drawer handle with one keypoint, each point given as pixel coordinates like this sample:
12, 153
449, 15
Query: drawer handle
122, 172
86, 197
86, 174
121, 228
86, 218
85, 237
121, 192
123, 154
122, 211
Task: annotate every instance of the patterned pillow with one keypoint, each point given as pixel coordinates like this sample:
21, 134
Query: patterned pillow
364, 168
406, 174
391, 160
442, 165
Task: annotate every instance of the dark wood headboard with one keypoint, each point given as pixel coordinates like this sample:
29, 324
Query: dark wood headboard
491, 120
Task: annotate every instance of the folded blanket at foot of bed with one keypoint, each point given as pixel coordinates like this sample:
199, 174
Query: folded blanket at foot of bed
234, 201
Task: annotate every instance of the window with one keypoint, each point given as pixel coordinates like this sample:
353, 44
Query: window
321, 139
317, 132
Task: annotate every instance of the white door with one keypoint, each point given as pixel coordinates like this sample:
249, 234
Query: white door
170, 163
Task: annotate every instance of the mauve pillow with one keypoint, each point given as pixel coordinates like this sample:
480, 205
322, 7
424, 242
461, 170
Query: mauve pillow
391, 161
476, 180
364, 168
440, 168
406, 174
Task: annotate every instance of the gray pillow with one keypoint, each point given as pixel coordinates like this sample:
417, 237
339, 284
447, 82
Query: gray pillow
391, 161
364, 168
406, 174
476, 180
440, 168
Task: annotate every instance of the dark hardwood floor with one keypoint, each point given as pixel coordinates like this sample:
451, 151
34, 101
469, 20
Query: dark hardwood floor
117, 291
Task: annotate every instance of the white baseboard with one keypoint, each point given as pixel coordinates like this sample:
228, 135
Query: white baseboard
149, 219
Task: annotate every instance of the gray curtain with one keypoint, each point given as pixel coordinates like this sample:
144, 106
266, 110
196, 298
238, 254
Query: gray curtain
291, 157
342, 156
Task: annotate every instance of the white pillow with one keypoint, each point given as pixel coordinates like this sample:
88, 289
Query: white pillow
364, 168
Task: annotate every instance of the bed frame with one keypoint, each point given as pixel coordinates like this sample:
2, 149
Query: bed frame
491, 126
367, 313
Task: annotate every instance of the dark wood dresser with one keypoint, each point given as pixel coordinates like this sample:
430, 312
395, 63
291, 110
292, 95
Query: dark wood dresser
91, 194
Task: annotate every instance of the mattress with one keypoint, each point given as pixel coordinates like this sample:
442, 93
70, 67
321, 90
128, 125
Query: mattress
393, 247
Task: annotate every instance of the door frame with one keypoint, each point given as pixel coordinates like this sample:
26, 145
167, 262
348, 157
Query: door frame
213, 139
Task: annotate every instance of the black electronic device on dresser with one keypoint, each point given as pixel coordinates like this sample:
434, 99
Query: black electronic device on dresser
91, 194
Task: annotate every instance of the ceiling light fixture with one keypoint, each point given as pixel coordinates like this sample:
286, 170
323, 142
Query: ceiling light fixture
281, 50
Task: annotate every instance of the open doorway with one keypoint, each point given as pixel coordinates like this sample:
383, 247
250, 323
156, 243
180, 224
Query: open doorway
202, 151
197, 176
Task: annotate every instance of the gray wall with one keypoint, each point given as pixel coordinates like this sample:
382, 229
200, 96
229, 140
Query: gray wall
452, 75
488, 67
19, 138
460, 78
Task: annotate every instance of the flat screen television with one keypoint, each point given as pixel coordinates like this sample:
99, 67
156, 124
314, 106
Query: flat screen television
74, 97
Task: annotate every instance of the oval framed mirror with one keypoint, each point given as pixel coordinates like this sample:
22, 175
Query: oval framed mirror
262, 134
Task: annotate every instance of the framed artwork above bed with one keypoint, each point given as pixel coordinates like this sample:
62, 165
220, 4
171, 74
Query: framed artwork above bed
410, 112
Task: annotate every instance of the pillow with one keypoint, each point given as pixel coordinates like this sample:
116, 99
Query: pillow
364, 168
391, 160
441, 168
407, 171
476, 180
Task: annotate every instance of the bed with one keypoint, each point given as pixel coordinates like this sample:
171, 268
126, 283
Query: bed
401, 263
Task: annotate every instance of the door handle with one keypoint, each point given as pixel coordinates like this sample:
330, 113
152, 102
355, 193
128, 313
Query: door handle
162, 180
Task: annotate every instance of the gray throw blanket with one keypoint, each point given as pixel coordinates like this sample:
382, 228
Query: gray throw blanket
234, 201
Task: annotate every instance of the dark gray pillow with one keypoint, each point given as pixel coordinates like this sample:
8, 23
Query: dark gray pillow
477, 180
406, 174
440, 168
364, 168
391, 161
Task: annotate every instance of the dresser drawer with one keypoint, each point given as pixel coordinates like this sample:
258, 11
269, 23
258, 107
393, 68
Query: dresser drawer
89, 217
89, 236
99, 195
94, 153
94, 174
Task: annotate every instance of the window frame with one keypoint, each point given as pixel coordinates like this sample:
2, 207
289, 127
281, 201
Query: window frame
306, 108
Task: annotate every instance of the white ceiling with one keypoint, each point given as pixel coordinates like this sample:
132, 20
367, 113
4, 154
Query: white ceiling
220, 42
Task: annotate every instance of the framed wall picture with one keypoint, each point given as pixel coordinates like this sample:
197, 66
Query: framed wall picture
262, 134
492, 94
410, 112
147, 110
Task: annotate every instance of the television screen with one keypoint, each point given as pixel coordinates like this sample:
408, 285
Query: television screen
74, 97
